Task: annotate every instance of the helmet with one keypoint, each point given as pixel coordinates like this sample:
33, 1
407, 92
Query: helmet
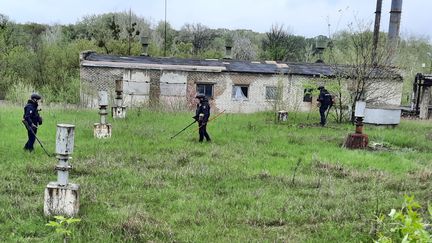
200, 96
35, 96
320, 87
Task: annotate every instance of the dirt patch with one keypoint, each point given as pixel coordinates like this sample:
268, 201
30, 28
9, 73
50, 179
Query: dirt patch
387, 147
266, 223
333, 169
141, 227
374, 146
423, 175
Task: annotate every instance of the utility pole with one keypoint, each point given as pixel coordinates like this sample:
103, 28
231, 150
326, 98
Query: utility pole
165, 25
376, 30
129, 33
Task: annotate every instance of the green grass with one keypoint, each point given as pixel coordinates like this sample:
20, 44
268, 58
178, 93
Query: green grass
257, 180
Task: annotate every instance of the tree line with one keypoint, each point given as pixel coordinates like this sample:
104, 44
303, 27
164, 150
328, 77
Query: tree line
45, 57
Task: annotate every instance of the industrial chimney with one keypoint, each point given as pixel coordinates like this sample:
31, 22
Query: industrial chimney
144, 44
228, 49
394, 25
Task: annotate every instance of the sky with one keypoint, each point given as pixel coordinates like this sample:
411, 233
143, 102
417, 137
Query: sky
300, 17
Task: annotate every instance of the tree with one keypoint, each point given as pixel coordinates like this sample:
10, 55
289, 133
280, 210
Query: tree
354, 49
274, 45
199, 35
161, 41
114, 32
280, 45
243, 49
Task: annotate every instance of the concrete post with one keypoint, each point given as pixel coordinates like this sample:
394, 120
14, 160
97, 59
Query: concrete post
102, 129
62, 197
424, 102
119, 111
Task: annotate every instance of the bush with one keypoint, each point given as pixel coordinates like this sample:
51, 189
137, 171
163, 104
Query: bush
66, 94
19, 92
405, 224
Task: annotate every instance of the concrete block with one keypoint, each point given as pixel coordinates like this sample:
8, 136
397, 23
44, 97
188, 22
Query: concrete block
102, 130
282, 116
119, 112
61, 200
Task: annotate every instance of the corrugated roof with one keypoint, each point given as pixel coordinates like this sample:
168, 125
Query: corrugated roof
223, 65
152, 60
310, 69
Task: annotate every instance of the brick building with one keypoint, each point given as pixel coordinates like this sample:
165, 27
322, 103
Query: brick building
234, 86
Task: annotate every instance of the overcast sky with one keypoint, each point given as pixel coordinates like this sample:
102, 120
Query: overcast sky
301, 17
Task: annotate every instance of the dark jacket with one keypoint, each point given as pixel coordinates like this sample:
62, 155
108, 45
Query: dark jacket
203, 108
325, 98
31, 114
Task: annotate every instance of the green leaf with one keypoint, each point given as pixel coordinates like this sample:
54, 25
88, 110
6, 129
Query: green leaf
53, 224
59, 217
73, 220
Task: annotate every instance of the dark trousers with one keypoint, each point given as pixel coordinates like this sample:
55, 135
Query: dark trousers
31, 139
203, 131
322, 110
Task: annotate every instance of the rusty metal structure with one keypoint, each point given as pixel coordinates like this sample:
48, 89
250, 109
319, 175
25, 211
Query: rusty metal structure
421, 95
358, 140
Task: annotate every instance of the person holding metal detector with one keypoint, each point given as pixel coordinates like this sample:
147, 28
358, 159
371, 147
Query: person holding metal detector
202, 115
325, 102
32, 120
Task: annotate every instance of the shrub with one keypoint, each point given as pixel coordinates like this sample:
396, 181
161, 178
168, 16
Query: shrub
19, 92
405, 224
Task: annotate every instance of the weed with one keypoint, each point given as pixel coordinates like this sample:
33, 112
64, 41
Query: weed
63, 226
405, 224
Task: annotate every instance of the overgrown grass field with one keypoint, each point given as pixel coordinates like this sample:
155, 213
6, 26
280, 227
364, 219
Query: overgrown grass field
257, 181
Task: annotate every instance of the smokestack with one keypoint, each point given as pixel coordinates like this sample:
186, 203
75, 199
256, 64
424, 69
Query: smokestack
144, 43
228, 48
394, 25
376, 30
228, 52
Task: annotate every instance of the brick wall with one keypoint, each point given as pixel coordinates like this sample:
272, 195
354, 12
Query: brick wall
94, 79
176, 89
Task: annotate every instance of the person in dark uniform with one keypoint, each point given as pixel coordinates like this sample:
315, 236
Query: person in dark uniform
202, 115
32, 120
325, 101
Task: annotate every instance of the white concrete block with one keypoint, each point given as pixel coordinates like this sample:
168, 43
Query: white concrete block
61, 200
102, 130
119, 112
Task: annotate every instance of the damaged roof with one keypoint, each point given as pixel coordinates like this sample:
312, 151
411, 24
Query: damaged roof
92, 59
